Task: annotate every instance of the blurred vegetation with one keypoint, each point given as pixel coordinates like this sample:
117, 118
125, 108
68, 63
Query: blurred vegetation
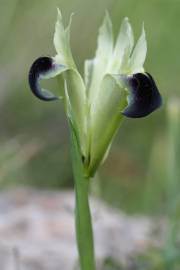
34, 138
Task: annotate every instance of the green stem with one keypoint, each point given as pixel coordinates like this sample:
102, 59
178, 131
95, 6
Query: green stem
84, 233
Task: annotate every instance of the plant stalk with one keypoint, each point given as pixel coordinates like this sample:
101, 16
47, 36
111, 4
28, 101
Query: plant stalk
84, 232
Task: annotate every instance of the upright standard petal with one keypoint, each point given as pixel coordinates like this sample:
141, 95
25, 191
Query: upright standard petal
144, 96
138, 57
62, 41
98, 67
123, 47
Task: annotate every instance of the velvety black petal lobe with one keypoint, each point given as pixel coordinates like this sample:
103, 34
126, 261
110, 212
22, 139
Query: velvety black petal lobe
39, 69
144, 96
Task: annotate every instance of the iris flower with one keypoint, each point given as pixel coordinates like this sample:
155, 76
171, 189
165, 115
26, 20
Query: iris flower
115, 85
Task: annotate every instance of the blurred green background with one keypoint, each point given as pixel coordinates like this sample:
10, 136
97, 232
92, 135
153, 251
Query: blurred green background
34, 138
